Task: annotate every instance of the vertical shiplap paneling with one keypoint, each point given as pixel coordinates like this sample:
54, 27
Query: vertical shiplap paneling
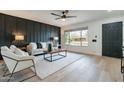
2, 38
10, 28
21, 26
43, 32
29, 31
2, 31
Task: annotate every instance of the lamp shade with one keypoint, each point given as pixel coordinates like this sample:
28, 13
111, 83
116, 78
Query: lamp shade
19, 37
56, 38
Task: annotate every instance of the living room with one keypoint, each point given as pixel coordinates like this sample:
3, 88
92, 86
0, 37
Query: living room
61, 45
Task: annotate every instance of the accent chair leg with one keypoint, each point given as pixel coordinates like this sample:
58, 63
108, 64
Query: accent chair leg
10, 77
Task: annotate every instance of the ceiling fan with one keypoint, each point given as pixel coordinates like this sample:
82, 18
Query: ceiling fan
64, 16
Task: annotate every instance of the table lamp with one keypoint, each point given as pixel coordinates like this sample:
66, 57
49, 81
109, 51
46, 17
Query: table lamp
19, 39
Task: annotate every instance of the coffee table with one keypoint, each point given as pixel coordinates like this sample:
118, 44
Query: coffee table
52, 54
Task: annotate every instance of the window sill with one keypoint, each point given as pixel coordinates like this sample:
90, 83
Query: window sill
76, 46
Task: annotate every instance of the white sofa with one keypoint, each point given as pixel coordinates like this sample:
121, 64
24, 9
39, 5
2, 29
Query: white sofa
33, 49
17, 60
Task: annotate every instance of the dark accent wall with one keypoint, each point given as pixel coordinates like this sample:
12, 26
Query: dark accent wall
112, 39
33, 31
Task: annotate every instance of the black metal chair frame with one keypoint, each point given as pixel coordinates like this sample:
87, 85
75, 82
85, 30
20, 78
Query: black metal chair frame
17, 61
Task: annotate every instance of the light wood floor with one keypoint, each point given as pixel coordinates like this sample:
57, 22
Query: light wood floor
88, 69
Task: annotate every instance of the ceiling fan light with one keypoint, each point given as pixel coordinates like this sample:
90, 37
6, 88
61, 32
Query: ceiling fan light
63, 19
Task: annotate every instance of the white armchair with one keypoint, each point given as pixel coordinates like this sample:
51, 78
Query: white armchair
16, 63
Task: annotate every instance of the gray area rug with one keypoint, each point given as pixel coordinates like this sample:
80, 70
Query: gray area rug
45, 68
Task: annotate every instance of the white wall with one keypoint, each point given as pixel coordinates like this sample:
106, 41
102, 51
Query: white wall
94, 28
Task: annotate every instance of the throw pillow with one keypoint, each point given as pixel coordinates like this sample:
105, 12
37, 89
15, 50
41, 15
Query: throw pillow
44, 45
39, 45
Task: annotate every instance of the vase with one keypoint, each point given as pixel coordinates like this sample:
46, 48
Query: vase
49, 47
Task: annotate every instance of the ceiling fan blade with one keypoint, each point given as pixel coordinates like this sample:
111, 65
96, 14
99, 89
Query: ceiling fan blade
57, 18
55, 14
71, 16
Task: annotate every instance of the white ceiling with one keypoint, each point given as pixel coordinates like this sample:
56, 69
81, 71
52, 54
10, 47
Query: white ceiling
45, 16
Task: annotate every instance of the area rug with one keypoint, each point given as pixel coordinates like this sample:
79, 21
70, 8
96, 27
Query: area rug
45, 68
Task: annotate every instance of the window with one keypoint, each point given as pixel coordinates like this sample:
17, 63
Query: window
67, 37
77, 37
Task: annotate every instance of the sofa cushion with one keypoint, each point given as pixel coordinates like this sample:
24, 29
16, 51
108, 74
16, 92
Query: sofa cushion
37, 51
44, 45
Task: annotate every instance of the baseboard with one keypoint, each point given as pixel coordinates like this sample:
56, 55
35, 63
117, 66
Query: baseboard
84, 53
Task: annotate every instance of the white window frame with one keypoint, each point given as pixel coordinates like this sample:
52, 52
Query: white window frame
74, 30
